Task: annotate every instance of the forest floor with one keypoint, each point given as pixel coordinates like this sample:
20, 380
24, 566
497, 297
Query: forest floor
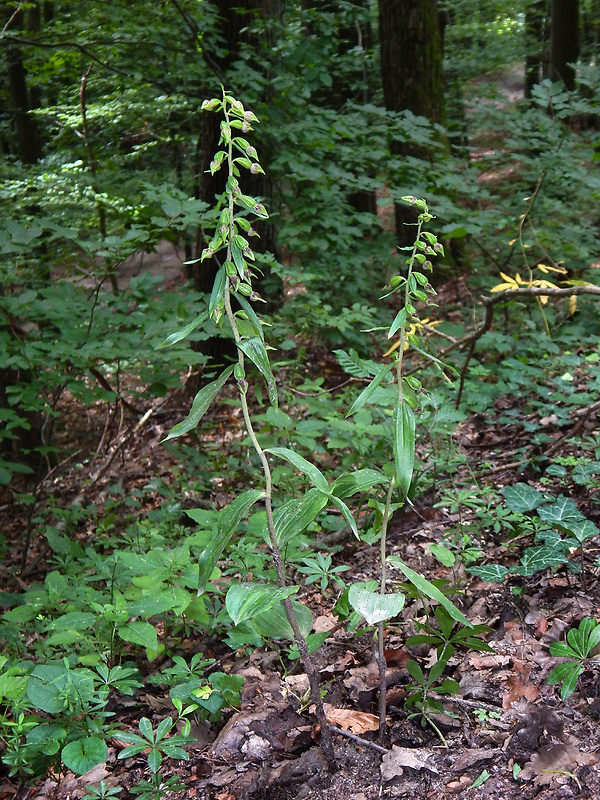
505, 716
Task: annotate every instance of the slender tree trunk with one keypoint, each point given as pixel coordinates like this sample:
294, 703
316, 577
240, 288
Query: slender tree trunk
536, 20
564, 41
411, 67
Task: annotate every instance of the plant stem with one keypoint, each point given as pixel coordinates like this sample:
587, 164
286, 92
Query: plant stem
307, 662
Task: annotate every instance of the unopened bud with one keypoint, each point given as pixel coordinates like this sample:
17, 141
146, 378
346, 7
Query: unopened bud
427, 265
246, 127
251, 152
255, 168
243, 386
252, 232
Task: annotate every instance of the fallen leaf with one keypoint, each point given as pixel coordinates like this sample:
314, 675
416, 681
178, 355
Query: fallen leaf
416, 758
550, 762
356, 722
396, 657
519, 686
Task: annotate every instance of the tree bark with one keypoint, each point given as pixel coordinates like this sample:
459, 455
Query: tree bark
412, 73
564, 41
536, 22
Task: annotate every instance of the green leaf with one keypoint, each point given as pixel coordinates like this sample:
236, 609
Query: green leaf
563, 650
83, 754
490, 573
218, 291
443, 555
346, 513
140, 633
199, 407
522, 498
313, 473
399, 321
429, 590
367, 392
274, 623
296, 515
229, 519
404, 445
351, 482
183, 332
535, 559
256, 351
415, 672
356, 366
373, 606
246, 600
252, 315
563, 513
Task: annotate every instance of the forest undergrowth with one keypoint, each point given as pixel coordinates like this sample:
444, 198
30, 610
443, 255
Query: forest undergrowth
132, 662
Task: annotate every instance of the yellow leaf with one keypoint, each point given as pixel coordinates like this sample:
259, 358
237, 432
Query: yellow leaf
572, 304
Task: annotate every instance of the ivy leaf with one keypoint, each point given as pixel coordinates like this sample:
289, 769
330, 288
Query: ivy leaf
490, 573
522, 498
202, 401
563, 513
535, 559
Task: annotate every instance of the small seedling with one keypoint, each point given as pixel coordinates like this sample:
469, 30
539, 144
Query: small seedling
579, 650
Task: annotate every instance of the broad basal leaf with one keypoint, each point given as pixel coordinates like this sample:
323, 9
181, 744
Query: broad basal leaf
229, 519
372, 605
139, 632
199, 407
296, 515
246, 600
83, 754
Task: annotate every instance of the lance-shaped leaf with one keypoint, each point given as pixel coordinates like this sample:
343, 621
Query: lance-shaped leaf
246, 600
296, 515
256, 351
229, 519
429, 590
404, 445
346, 513
199, 407
218, 291
372, 605
367, 392
252, 315
313, 473
183, 332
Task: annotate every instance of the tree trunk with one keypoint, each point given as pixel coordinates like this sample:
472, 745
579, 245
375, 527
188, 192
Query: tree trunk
536, 21
411, 66
564, 41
